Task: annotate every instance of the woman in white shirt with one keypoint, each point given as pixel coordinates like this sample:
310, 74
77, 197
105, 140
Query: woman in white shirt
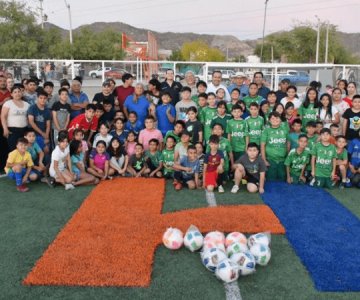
328, 114
291, 97
14, 117
339, 103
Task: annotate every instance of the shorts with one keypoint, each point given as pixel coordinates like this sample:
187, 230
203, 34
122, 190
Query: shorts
77, 174
276, 171
11, 173
211, 178
296, 179
41, 142
323, 182
251, 179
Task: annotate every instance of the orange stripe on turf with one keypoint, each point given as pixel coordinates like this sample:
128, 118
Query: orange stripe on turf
111, 239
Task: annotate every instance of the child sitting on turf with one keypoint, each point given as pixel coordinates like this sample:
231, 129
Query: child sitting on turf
222, 117
78, 167
168, 157
341, 160
118, 157
19, 166
176, 133
154, 159
255, 124
103, 135
295, 133
130, 143
37, 155
297, 161
60, 167
250, 166
187, 170
323, 161
119, 131
133, 124
274, 148
150, 132
237, 130
213, 166
182, 146
99, 162
79, 136
194, 126
201, 156
137, 166
354, 161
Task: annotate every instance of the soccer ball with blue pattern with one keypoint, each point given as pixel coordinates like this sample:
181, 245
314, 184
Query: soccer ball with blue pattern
227, 271
245, 261
236, 248
193, 239
262, 253
211, 257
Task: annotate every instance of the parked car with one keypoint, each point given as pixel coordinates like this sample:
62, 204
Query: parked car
295, 77
116, 73
98, 73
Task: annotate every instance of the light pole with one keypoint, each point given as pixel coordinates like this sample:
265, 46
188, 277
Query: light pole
327, 42
263, 33
70, 22
317, 40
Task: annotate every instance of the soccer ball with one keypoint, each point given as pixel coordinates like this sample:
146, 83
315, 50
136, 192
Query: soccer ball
262, 253
245, 261
260, 238
211, 257
227, 270
235, 237
193, 239
209, 245
214, 239
236, 248
173, 238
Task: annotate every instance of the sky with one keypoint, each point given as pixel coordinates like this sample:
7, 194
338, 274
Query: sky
243, 19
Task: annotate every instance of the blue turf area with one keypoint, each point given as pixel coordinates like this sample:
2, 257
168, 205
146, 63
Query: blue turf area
324, 234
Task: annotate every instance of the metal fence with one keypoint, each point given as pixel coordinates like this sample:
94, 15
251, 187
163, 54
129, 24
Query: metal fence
94, 72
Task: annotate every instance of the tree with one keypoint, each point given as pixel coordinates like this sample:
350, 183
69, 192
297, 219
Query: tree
176, 56
299, 46
200, 51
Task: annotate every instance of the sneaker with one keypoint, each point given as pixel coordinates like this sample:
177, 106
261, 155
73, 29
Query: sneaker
221, 189
341, 185
22, 188
235, 189
312, 181
49, 181
348, 183
69, 186
178, 186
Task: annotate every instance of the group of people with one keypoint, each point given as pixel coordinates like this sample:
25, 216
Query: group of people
198, 134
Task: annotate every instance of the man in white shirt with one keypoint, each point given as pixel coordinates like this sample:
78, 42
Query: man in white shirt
215, 84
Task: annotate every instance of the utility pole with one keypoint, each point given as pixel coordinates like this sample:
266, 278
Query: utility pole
327, 42
263, 33
317, 40
70, 22
42, 13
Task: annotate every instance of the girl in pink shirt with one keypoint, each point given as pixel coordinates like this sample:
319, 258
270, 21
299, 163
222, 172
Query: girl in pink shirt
99, 161
149, 133
130, 143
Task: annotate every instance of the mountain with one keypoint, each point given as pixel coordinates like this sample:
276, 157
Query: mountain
174, 40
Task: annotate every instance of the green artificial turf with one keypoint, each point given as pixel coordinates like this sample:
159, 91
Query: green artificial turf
30, 222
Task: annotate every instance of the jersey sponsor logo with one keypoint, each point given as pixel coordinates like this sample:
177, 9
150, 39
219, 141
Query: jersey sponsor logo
238, 134
255, 132
323, 161
277, 140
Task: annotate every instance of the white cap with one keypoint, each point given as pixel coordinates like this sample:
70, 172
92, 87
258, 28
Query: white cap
239, 74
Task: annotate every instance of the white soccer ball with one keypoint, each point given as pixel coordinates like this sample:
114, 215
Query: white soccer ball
173, 238
262, 253
260, 238
235, 237
227, 270
211, 257
193, 239
214, 239
245, 261
236, 248
209, 245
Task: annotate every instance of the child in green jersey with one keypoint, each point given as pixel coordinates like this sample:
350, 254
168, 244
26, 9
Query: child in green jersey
176, 133
154, 160
237, 132
295, 133
264, 110
222, 117
309, 110
207, 114
253, 95
168, 157
341, 160
271, 98
274, 148
234, 98
201, 87
201, 103
297, 160
323, 161
255, 124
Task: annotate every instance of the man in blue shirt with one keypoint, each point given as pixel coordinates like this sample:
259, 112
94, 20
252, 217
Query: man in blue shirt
239, 79
138, 103
79, 100
259, 80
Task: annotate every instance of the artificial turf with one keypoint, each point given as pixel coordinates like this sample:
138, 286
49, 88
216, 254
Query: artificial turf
29, 223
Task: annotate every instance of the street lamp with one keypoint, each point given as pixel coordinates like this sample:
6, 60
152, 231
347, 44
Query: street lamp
70, 22
263, 33
317, 40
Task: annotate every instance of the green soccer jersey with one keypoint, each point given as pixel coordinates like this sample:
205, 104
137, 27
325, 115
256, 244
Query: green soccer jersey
207, 114
312, 141
175, 136
275, 140
225, 147
223, 120
308, 114
343, 155
296, 161
155, 158
238, 130
248, 100
168, 160
255, 128
324, 159
229, 106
